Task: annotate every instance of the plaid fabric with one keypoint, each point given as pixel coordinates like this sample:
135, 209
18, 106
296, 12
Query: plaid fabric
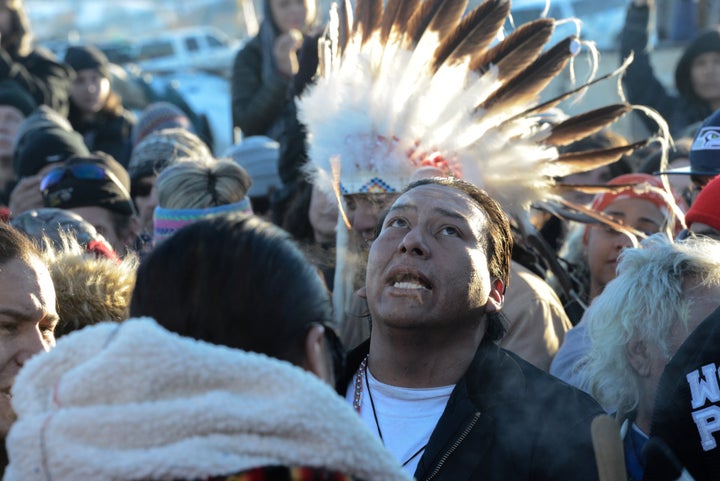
284, 473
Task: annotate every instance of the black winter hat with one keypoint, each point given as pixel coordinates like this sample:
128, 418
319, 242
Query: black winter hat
87, 57
707, 41
44, 146
12, 94
686, 415
95, 180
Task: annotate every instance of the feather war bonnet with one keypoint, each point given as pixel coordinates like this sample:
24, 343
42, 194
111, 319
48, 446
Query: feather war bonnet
409, 84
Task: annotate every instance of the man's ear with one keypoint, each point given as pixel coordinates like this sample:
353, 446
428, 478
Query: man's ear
496, 296
639, 357
362, 292
317, 359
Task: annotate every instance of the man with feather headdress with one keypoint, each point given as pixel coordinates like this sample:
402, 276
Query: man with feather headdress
412, 87
431, 382
395, 98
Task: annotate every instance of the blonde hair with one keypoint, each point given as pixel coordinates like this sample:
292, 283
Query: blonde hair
645, 301
202, 183
89, 289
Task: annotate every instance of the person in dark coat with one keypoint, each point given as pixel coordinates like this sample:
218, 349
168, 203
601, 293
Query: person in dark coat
95, 110
697, 74
273, 66
431, 382
36, 70
686, 408
16, 105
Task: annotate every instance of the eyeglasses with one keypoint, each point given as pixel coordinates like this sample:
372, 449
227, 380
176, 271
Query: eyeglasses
83, 172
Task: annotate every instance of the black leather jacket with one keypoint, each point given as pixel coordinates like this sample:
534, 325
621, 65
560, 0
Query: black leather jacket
506, 420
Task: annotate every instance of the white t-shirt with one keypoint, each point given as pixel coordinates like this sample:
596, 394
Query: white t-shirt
405, 416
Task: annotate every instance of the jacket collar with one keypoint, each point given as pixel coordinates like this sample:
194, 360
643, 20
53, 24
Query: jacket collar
493, 378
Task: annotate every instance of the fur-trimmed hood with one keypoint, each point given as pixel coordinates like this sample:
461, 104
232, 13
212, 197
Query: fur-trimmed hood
133, 401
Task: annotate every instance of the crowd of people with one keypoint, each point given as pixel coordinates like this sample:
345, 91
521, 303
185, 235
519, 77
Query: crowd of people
409, 267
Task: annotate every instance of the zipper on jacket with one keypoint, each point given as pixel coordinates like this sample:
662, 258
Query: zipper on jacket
454, 446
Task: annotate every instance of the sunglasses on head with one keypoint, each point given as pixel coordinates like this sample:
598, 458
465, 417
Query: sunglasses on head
83, 172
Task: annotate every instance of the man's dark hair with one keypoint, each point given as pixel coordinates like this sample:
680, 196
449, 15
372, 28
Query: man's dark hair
14, 245
237, 281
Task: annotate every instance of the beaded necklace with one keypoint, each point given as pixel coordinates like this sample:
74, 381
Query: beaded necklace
361, 377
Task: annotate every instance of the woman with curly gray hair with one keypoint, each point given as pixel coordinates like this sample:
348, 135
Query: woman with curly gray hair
662, 292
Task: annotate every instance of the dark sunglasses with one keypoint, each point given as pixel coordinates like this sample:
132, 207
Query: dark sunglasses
82, 172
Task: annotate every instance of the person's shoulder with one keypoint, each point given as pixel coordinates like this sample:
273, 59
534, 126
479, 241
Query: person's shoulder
526, 284
251, 49
41, 54
499, 373
112, 120
44, 60
126, 118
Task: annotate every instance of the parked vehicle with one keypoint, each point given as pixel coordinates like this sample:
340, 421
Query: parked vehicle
194, 48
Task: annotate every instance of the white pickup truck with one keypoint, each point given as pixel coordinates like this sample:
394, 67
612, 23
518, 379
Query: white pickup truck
194, 48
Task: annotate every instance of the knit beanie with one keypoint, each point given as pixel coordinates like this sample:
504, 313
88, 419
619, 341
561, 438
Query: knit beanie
706, 208
640, 186
42, 117
52, 224
41, 147
13, 95
112, 192
258, 155
687, 403
163, 147
167, 221
158, 116
87, 57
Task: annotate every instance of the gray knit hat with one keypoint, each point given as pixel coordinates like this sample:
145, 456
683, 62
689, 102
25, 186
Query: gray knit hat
162, 148
158, 116
258, 155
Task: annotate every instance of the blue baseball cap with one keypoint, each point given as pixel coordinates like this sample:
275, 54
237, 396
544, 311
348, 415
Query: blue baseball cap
705, 151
